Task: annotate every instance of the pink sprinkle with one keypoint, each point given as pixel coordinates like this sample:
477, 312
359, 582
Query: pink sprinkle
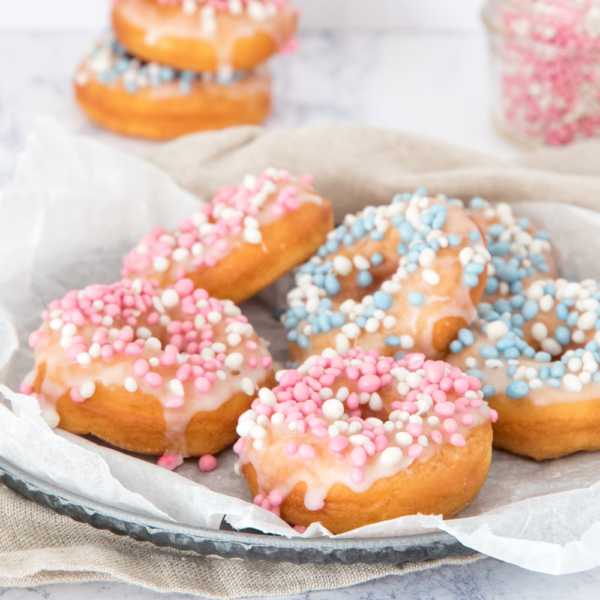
352, 373
266, 362
320, 432
306, 179
474, 383
307, 452
276, 498
446, 384
358, 457
26, 388
184, 287
461, 386
183, 373
445, 409
291, 448
369, 383
440, 396
277, 210
141, 368
381, 443
476, 402
338, 443
353, 401
301, 392
174, 402
450, 425
170, 461
415, 451
239, 446
457, 440
434, 370
35, 338
415, 429
290, 378
369, 446
301, 427
467, 420
133, 350
493, 415
259, 499
107, 352
357, 475
153, 379
76, 396
119, 346
207, 463
436, 436
299, 528
202, 384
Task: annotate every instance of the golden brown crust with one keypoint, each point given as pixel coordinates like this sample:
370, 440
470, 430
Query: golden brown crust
208, 106
444, 484
250, 43
543, 432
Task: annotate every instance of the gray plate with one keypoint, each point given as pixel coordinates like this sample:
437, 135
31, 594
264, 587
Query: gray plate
231, 544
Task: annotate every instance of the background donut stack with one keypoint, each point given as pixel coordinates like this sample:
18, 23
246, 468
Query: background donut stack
173, 67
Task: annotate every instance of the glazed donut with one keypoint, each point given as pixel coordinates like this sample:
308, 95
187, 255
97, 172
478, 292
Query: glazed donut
247, 238
357, 439
537, 356
406, 276
520, 253
209, 35
148, 370
152, 101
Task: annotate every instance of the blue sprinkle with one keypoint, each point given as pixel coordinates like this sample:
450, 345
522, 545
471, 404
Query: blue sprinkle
293, 336
364, 278
517, 301
489, 352
562, 334
348, 240
491, 315
596, 376
393, 341
358, 229
511, 353
530, 310
453, 240
475, 268
573, 318
529, 352
316, 327
496, 230
544, 372
500, 249
517, 389
319, 279
303, 342
300, 312
332, 285
439, 221
338, 319
332, 246
369, 312
516, 287
568, 302
507, 273
579, 352
592, 346
411, 267
291, 322
401, 249
325, 323
456, 347
398, 198
340, 232
488, 391
543, 357
376, 259
382, 300
550, 290
416, 298
167, 74
523, 223
434, 245
132, 88
397, 220
477, 203
466, 337
517, 321
322, 251
506, 341
420, 192
185, 86
491, 286
562, 312
406, 231
542, 235
470, 280
557, 370
502, 306
475, 236
554, 382
476, 373
376, 235
413, 256
361, 321
512, 369
326, 304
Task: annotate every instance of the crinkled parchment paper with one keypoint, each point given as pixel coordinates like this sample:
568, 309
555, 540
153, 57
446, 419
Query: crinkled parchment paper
75, 207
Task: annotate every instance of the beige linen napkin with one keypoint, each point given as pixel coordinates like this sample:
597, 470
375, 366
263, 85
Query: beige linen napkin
354, 167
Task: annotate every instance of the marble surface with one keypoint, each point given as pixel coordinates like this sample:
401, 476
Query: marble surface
432, 84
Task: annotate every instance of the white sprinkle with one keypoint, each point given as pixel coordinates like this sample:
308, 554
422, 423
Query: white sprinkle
170, 298
333, 409
535, 384
354, 428
572, 383
213, 317
233, 339
56, 324
176, 387
131, 385
234, 360
342, 394
143, 332
84, 359
587, 320
546, 303
277, 418
391, 456
404, 438
539, 332
87, 389
154, 362
95, 350
406, 342
160, 264
361, 263
372, 325
68, 330
180, 254
358, 440
431, 277
551, 346
389, 322
252, 236
375, 403
466, 256
258, 432
575, 364
342, 344
248, 386
342, 265
267, 397
433, 421
496, 330
427, 257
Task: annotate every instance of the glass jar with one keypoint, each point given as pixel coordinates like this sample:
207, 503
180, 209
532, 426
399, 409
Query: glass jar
545, 63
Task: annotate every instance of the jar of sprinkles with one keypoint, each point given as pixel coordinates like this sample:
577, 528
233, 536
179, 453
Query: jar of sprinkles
545, 62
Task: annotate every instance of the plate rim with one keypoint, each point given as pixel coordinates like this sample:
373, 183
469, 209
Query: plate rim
230, 544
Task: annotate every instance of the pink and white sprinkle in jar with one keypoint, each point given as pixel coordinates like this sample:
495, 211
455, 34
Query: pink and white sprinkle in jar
545, 60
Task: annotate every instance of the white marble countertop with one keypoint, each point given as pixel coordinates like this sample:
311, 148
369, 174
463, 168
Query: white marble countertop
432, 84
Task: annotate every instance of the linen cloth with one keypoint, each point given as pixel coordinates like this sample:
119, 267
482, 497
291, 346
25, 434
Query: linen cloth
353, 166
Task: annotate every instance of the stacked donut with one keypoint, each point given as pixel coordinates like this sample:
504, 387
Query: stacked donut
173, 67
163, 362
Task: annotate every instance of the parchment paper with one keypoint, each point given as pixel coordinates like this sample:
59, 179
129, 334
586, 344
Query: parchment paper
75, 207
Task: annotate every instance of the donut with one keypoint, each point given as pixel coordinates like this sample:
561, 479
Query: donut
244, 240
211, 35
537, 357
355, 439
406, 276
520, 253
161, 372
148, 100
